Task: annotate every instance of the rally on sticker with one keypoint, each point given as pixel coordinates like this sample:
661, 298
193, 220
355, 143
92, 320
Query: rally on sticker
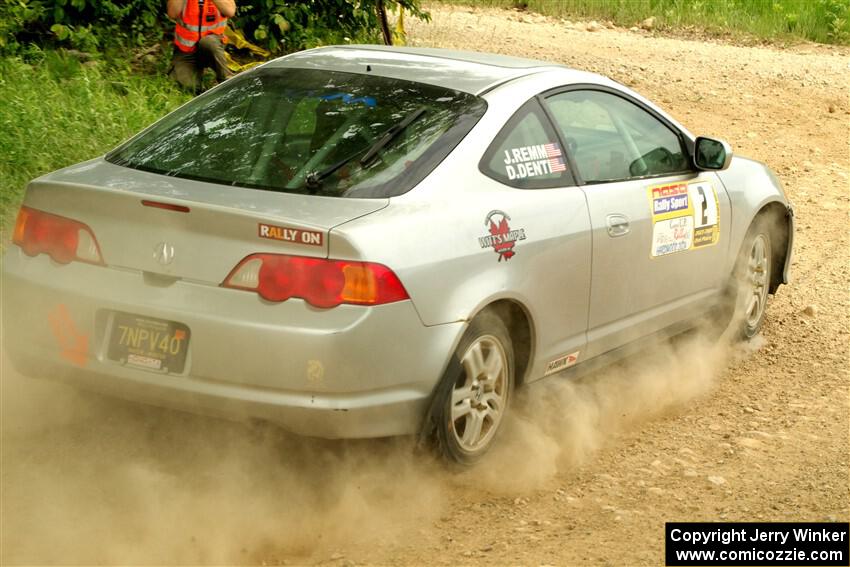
309, 237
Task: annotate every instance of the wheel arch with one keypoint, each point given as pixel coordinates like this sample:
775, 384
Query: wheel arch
517, 319
756, 193
780, 221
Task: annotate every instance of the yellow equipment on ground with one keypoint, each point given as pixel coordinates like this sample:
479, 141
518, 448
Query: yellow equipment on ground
236, 39
400, 36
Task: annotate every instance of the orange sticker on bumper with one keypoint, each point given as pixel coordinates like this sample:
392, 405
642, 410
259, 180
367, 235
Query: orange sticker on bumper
74, 345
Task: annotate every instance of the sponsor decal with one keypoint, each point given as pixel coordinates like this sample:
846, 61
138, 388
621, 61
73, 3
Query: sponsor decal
706, 214
73, 344
669, 199
286, 234
502, 238
561, 363
146, 361
672, 235
534, 161
684, 216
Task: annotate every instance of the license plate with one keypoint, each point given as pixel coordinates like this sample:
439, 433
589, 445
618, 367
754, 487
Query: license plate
155, 344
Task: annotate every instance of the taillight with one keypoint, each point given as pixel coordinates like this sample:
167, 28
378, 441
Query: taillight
320, 282
63, 239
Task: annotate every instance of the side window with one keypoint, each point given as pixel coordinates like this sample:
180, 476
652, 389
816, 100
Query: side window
527, 154
612, 139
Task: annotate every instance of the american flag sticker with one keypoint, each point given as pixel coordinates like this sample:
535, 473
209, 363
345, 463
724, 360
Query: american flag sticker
556, 161
534, 161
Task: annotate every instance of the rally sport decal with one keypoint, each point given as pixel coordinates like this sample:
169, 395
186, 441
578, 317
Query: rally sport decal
684, 216
501, 238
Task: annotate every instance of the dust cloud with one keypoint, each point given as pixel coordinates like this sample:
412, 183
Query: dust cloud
556, 425
89, 479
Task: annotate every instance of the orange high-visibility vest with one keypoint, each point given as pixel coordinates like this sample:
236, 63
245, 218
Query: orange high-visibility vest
195, 23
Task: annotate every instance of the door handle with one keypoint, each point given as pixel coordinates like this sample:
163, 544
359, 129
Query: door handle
618, 225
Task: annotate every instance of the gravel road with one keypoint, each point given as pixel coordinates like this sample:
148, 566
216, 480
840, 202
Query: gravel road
589, 471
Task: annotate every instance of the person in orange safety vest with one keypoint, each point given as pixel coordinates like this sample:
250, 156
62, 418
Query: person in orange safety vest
199, 39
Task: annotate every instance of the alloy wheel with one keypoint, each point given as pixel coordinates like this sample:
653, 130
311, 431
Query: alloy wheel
480, 395
756, 280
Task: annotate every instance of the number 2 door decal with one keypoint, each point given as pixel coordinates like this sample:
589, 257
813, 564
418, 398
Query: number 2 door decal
685, 216
703, 205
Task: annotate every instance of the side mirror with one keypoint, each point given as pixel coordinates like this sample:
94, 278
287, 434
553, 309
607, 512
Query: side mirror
710, 154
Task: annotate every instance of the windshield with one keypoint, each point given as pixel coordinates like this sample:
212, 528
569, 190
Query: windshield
272, 128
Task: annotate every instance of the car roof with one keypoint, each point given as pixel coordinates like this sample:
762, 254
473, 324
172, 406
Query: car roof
466, 71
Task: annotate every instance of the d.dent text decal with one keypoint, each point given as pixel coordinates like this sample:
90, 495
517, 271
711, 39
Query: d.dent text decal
534, 161
502, 238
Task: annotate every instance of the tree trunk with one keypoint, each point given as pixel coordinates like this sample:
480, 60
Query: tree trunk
385, 24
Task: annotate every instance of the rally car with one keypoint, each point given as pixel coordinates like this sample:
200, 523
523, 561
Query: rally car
362, 241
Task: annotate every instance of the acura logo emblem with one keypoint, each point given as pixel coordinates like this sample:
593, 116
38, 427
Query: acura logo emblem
164, 253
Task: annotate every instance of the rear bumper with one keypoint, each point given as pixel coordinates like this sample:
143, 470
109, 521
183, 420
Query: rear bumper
340, 373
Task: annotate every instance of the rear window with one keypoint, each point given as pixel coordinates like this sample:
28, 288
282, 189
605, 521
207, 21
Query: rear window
280, 129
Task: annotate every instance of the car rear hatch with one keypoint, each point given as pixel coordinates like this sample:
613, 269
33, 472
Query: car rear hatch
186, 229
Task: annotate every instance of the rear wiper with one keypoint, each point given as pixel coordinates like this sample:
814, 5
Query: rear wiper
313, 182
390, 135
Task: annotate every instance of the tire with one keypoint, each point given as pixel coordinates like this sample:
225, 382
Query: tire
474, 394
750, 283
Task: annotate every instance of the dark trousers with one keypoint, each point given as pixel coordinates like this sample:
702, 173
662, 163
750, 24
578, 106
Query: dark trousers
187, 68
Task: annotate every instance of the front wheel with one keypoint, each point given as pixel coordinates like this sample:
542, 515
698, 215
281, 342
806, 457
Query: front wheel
752, 281
472, 401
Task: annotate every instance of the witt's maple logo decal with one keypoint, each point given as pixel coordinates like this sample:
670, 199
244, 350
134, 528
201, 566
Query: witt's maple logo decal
501, 238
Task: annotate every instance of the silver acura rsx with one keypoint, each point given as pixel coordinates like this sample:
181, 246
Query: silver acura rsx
363, 241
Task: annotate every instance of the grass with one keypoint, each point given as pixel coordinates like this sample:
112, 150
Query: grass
57, 112
824, 21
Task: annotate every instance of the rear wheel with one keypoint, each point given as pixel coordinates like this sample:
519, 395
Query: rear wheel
471, 401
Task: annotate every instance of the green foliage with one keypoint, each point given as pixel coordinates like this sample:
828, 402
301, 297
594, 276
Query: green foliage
57, 111
825, 21
87, 25
837, 15
287, 25
113, 25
